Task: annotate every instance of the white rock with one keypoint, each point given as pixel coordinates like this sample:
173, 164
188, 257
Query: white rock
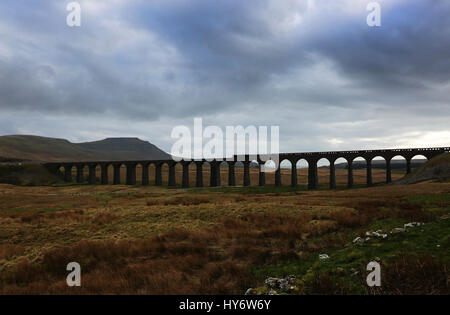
413, 224
398, 230
378, 233
323, 256
272, 282
358, 240
283, 285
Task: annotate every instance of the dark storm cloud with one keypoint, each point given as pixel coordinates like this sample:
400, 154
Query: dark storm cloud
313, 66
231, 46
409, 51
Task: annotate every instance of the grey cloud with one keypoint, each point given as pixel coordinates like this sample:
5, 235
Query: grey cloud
163, 62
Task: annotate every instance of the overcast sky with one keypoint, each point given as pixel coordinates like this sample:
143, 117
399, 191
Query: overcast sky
315, 68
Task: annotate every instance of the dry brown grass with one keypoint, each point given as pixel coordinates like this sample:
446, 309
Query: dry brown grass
211, 261
105, 218
9, 250
185, 201
168, 241
410, 274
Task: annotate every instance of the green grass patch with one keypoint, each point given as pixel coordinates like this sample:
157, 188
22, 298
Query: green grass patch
431, 239
442, 199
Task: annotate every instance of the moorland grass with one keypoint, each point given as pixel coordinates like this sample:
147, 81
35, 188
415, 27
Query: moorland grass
154, 240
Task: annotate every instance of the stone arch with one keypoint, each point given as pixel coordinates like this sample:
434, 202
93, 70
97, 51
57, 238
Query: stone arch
152, 172
417, 160
130, 173
94, 172
205, 176
110, 172
283, 173
222, 179
105, 172
378, 165
68, 172
163, 168
399, 164
323, 162
324, 171
60, 170
143, 172
81, 171
123, 172
254, 167
428, 154
239, 173
192, 171
359, 167
270, 166
302, 166
268, 176
139, 169
340, 164
185, 173
119, 173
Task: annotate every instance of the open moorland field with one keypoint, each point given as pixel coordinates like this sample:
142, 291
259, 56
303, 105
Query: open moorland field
156, 240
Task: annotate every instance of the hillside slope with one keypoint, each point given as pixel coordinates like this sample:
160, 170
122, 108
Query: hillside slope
436, 168
27, 175
42, 149
126, 149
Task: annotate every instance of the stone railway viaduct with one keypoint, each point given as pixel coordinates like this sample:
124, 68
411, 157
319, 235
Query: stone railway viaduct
311, 157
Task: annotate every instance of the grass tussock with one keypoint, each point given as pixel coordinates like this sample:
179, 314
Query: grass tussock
410, 274
105, 218
42, 216
184, 201
370, 211
10, 250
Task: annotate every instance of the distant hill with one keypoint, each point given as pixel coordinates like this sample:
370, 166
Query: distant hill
126, 149
437, 168
18, 148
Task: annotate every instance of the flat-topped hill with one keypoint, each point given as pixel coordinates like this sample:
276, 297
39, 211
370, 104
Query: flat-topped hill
41, 149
